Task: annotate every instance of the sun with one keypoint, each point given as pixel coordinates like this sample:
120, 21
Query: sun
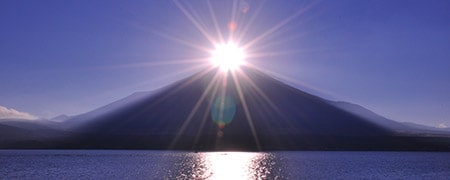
227, 56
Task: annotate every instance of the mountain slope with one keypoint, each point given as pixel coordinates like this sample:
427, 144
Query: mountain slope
248, 110
398, 127
111, 108
19, 133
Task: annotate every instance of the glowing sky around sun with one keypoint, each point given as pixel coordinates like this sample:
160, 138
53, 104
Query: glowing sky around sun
69, 57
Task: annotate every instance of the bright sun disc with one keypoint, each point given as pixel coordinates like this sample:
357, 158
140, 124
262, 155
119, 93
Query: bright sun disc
227, 56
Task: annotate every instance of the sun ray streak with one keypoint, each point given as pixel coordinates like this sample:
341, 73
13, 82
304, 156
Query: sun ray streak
198, 61
268, 101
261, 93
184, 84
222, 96
205, 115
216, 25
192, 45
246, 28
297, 83
280, 41
233, 18
278, 26
195, 146
246, 111
277, 53
175, 75
169, 94
194, 110
195, 22
199, 19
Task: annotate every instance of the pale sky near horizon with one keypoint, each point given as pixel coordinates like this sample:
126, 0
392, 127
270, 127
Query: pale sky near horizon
70, 57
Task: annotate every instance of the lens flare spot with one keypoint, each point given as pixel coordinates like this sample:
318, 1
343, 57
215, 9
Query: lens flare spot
223, 109
244, 6
232, 26
220, 134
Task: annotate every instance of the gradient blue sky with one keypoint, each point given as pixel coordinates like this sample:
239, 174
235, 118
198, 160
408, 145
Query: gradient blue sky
69, 57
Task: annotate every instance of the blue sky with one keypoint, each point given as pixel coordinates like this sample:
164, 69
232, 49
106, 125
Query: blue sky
69, 57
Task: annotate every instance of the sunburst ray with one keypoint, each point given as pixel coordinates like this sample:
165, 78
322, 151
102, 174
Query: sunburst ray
214, 19
248, 116
278, 26
195, 22
194, 110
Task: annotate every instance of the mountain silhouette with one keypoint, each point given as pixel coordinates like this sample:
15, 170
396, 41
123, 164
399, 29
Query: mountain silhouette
241, 110
216, 110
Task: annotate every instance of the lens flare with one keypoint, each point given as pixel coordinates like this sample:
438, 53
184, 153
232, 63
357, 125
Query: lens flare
223, 109
232, 26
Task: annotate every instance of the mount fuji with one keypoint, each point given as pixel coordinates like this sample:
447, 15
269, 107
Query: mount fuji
239, 110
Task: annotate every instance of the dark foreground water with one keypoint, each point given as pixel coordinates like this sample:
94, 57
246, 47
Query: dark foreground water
85, 164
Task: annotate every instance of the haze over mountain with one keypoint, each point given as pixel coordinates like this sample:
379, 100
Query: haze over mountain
241, 110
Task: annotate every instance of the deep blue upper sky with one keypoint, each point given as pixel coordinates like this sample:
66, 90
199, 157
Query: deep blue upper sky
69, 57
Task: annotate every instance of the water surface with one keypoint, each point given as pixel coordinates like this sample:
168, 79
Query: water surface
119, 164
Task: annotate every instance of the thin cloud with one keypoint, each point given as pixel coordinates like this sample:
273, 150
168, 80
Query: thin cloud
9, 113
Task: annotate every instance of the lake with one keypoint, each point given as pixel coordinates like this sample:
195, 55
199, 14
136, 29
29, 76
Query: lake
123, 164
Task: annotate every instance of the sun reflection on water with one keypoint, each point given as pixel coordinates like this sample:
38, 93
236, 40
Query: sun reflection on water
228, 165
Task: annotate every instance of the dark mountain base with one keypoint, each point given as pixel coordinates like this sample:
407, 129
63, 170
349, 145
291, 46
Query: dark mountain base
372, 143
